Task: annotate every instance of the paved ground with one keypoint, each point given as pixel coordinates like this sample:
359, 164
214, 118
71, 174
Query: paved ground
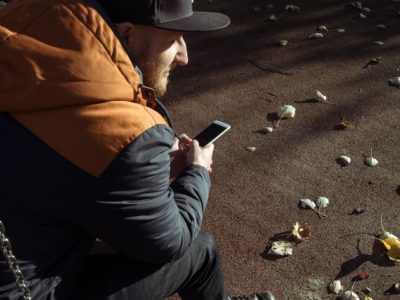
241, 76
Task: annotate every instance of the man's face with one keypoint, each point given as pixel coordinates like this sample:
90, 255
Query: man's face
156, 52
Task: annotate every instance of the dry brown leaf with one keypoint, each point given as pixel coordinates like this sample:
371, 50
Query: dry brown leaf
344, 123
301, 232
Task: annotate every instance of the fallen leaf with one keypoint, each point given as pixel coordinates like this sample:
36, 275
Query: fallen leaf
321, 98
283, 42
343, 123
371, 161
291, 7
281, 248
316, 35
346, 160
335, 287
395, 81
287, 111
373, 61
322, 28
397, 287
301, 233
307, 203
363, 275
357, 211
272, 18
322, 202
265, 130
367, 291
356, 4
350, 295
391, 243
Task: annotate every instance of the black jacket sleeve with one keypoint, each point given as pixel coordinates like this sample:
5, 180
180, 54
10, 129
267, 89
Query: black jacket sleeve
137, 211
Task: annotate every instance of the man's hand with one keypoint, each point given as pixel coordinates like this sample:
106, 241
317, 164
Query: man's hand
186, 152
178, 154
200, 156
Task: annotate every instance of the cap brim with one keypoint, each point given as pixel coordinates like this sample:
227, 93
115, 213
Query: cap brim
198, 21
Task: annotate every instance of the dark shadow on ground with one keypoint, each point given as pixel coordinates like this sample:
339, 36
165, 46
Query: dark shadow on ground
378, 257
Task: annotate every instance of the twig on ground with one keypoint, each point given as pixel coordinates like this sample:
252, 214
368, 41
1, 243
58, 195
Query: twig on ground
269, 70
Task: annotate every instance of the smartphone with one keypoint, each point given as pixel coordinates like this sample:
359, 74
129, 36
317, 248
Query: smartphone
211, 133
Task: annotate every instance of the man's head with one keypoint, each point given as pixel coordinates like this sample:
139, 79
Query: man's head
156, 52
152, 31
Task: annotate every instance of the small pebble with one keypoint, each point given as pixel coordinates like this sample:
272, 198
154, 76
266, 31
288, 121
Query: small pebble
379, 43
283, 42
362, 16
322, 28
316, 35
251, 149
340, 30
272, 18
395, 81
356, 4
291, 7
256, 8
381, 26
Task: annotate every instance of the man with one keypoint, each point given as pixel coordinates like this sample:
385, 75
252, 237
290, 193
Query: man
87, 148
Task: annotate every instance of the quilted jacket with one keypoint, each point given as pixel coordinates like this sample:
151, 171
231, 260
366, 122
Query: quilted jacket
84, 150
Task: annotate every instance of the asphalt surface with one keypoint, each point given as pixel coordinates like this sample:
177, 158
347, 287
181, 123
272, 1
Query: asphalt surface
241, 75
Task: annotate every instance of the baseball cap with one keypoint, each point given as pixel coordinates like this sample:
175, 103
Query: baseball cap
168, 14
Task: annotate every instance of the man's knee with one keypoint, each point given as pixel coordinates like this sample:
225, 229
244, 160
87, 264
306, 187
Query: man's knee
206, 245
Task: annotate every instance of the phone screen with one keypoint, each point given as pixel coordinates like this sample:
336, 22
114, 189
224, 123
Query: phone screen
209, 134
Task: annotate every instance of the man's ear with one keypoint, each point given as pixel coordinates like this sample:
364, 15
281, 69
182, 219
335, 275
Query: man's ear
125, 31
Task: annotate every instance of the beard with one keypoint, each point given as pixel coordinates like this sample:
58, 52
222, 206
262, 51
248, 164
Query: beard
156, 76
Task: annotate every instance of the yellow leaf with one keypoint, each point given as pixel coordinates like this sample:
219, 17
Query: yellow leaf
343, 123
394, 254
392, 244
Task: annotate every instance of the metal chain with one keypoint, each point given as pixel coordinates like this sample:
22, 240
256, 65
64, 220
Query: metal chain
5, 247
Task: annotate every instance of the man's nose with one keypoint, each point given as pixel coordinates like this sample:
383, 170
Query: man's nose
182, 57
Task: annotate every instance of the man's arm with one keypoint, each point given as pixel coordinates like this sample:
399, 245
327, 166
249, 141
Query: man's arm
136, 211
